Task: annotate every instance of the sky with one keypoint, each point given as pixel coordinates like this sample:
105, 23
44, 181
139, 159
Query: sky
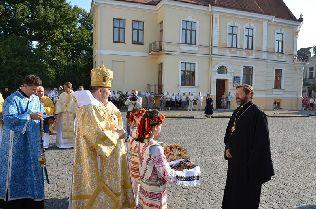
307, 35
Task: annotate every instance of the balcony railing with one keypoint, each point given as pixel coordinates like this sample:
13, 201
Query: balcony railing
155, 47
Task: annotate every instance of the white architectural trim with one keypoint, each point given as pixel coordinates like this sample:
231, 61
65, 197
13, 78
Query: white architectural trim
243, 58
123, 53
196, 81
215, 30
125, 4
250, 25
229, 67
265, 39
186, 53
295, 42
253, 15
203, 9
212, 9
214, 76
287, 22
240, 13
190, 47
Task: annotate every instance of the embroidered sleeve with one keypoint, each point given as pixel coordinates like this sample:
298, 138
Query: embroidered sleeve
162, 166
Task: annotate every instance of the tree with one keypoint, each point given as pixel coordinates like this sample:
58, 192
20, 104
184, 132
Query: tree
49, 38
304, 54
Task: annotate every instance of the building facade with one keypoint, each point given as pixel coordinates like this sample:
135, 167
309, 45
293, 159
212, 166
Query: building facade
310, 78
198, 46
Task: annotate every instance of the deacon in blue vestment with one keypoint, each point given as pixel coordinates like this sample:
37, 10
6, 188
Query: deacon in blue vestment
21, 176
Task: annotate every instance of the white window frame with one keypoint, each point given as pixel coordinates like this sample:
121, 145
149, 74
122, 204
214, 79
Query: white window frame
238, 34
196, 73
275, 41
197, 31
252, 26
282, 81
242, 74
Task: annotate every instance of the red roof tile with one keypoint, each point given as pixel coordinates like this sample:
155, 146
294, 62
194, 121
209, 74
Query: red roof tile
275, 8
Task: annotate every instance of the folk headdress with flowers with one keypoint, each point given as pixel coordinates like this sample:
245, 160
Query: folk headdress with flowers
145, 120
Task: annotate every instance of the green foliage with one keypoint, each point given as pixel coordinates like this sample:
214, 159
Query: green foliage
47, 38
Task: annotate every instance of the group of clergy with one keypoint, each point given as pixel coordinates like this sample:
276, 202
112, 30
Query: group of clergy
100, 170
99, 145
60, 117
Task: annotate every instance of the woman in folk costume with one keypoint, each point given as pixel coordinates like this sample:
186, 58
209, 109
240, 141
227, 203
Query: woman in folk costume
65, 111
100, 170
149, 169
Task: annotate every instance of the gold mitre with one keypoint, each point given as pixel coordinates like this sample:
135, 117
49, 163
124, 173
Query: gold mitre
101, 77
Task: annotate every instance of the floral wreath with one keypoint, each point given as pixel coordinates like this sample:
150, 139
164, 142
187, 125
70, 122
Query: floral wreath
145, 120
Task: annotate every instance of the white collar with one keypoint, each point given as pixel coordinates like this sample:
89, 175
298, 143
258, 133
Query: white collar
85, 97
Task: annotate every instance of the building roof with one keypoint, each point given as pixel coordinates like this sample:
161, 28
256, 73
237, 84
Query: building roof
275, 8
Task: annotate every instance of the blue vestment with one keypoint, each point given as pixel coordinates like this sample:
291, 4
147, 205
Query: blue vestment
21, 175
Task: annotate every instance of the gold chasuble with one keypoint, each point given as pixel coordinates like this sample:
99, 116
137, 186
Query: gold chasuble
66, 107
100, 172
48, 105
1, 103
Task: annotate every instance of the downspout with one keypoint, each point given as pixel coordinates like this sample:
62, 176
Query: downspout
211, 48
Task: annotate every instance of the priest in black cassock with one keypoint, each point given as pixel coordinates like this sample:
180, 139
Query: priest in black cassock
247, 149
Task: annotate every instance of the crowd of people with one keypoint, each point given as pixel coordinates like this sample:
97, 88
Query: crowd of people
112, 168
309, 103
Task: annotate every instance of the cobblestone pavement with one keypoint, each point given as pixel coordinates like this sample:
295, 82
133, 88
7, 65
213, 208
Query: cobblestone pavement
293, 142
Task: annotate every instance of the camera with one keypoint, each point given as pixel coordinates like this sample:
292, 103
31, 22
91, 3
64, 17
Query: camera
133, 98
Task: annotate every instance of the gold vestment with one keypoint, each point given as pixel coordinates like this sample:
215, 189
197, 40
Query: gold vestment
48, 105
67, 106
100, 172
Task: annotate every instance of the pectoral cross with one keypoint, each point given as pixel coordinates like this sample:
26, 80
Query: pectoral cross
233, 128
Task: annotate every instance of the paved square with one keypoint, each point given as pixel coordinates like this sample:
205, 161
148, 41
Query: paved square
293, 142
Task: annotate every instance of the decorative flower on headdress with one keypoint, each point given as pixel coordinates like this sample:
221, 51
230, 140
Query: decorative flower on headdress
145, 120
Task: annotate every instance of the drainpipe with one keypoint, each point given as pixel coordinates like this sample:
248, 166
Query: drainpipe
211, 48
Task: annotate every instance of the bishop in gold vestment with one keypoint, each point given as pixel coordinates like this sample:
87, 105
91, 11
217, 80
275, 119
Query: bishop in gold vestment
100, 172
66, 108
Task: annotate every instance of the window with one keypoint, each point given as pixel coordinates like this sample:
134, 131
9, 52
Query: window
311, 72
279, 42
188, 32
138, 32
247, 75
222, 70
249, 38
118, 30
187, 74
278, 78
232, 36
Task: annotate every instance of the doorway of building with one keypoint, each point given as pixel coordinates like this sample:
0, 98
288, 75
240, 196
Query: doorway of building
220, 91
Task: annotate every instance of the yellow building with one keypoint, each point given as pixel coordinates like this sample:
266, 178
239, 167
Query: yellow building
200, 46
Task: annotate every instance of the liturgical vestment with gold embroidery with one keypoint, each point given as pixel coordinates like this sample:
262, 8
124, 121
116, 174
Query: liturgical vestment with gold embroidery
100, 172
66, 108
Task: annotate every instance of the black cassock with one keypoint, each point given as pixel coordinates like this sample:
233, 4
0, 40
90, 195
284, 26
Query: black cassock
251, 163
